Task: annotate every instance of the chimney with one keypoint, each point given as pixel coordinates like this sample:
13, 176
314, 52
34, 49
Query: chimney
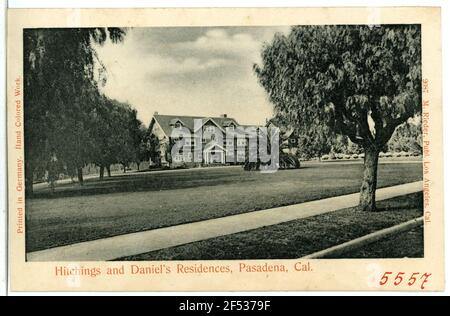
156, 113
223, 115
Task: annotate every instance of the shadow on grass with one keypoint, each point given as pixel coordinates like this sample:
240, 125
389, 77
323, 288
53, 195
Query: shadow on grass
149, 181
127, 184
416, 203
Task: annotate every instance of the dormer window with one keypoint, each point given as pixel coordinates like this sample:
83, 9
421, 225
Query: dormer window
229, 125
210, 129
176, 123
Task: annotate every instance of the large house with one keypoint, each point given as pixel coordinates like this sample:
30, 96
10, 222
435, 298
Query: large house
204, 140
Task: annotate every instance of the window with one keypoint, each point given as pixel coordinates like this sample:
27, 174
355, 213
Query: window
230, 142
241, 156
178, 158
210, 129
230, 128
177, 125
187, 157
241, 142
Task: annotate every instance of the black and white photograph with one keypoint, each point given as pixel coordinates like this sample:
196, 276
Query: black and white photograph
223, 143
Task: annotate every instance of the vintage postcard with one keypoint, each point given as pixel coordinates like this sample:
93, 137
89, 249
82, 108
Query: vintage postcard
231, 149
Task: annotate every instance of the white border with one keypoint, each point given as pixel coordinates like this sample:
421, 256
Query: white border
3, 169
217, 3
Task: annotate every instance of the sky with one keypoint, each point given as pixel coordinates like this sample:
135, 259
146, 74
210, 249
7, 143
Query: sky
204, 71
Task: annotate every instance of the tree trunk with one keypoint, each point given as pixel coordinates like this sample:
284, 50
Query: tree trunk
102, 172
80, 175
138, 163
124, 168
28, 179
369, 184
108, 170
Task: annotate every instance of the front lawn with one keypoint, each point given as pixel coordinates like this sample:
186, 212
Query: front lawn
301, 237
125, 204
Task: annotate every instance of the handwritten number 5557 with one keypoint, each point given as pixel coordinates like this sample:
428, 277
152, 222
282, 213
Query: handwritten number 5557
399, 278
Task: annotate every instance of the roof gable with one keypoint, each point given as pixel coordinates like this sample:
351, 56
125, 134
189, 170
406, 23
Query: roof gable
164, 121
175, 120
212, 145
209, 119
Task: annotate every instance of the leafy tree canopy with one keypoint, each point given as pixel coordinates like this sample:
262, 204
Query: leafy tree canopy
360, 81
60, 93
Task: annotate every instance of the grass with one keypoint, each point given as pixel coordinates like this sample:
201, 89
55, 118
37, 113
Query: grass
302, 237
131, 203
381, 159
407, 244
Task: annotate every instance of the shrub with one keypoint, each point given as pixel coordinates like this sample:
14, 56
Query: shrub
325, 157
288, 161
347, 156
361, 155
355, 156
249, 166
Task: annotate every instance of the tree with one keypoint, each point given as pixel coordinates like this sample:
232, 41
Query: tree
119, 146
60, 90
407, 137
311, 142
360, 81
118, 135
125, 126
154, 151
139, 136
105, 151
315, 142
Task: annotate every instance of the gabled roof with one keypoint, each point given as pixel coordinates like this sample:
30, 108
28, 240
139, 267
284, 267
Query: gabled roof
188, 121
212, 145
174, 121
206, 119
229, 123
